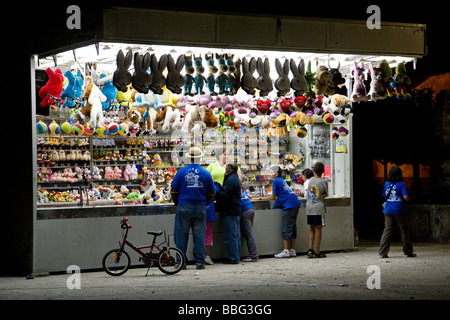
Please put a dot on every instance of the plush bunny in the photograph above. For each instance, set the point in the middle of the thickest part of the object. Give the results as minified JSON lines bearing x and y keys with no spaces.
{"x":189,"y":79}
{"x":158,"y":79}
{"x":359,"y":89}
{"x":264,"y":83}
{"x":322,"y":82}
{"x":282,"y":83}
{"x":221,"y":78}
{"x":174,"y":79}
{"x":122,"y":77}
{"x":141,"y":78}
{"x":73,"y":90}
{"x":248,"y":81}
{"x":53,"y":88}
{"x":298,"y":82}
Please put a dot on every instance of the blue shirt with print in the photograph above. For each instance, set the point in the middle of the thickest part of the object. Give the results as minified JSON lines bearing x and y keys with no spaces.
{"x":395,"y":202}
{"x":287,"y":198}
{"x":192,"y":183}
{"x":245,"y":201}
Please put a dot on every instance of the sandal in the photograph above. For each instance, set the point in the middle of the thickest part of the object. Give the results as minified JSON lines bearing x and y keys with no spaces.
{"x":320,"y":255}
{"x":310,"y":253}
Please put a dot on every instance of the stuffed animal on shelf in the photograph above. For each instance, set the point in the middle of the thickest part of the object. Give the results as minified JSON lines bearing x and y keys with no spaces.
{"x":53,"y":88}
{"x":93,"y":108}
{"x":282,"y":83}
{"x":122,"y":77}
{"x":127,"y":173}
{"x":109,"y":173}
{"x":117,"y":173}
{"x":134,"y":172}
{"x":211,"y":79}
{"x":401,"y":80}
{"x":73,"y":90}
{"x":189,"y":79}
{"x":359,"y":89}
{"x":221,"y":78}
{"x":322,"y":82}
{"x":264,"y":82}
{"x":141,"y":79}
{"x":210,"y":119}
{"x":174,"y":79}
{"x":248,"y":81}
{"x":157,"y":159}
{"x":157,"y":67}
{"x":299,"y":82}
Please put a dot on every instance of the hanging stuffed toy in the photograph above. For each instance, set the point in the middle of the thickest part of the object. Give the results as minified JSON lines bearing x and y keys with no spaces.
{"x":221,"y":78}
{"x":73,"y":90}
{"x":401,"y":80}
{"x":231,"y":78}
{"x":110,"y":92}
{"x":122,"y":77}
{"x":282,"y":83}
{"x":377,"y":90}
{"x":386,"y":78}
{"x":264,"y":83}
{"x":322,"y":82}
{"x":52,"y":89}
{"x":248,"y":81}
{"x":93,"y":108}
{"x":211,"y":79}
{"x":338,"y":80}
{"x":299,"y":82}
{"x":174,"y":79}
{"x":359,"y":89}
{"x":157,"y":67}
{"x":141,"y":78}
{"x":189,"y":79}
{"x":199,"y":79}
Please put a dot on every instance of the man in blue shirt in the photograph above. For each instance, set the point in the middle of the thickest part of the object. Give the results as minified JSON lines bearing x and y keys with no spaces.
{"x":192,"y":190}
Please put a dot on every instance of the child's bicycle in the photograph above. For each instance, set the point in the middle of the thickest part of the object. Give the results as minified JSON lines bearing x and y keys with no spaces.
{"x":168,"y":259}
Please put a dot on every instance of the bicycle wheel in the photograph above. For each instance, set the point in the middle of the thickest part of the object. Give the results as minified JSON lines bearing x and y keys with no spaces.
{"x":171,"y":260}
{"x":116,"y":262}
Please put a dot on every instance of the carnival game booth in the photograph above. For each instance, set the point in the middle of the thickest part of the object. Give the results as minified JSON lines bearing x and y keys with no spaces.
{"x":115,"y":117}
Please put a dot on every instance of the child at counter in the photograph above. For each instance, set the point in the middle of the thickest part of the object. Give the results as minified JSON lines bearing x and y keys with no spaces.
{"x":317,"y":190}
{"x":290,"y":204}
{"x":306,"y":175}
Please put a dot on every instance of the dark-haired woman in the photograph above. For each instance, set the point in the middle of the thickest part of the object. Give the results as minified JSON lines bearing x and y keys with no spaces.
{"x":396,"y":194}
{"x":291,"y":205}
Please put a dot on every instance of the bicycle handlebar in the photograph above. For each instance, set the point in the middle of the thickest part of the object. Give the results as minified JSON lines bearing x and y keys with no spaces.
{"x":124,"y":224}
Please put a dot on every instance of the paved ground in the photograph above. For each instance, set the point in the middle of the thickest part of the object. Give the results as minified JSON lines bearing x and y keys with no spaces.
{"x":342,"y":275}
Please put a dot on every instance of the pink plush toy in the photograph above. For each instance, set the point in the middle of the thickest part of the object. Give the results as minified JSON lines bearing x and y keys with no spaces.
{"x":109,"y":173}
{"x":53,"y":87}
{"x":117,"y":173}
{"x":127,"y":173}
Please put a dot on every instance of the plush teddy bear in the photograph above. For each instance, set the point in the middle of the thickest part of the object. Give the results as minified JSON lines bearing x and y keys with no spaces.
{"x":117,"y":173}
{"x":74,"y":88}
{"x":53,"y":88}
{"x":109,"y":173}
{"x":127,"y":173}
{"x":322,"y":82}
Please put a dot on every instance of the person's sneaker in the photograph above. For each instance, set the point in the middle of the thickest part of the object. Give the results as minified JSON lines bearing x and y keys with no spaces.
{"x":292,"y":253}
{"x":250,"y":259}
{"x":200,"y":266}
{"x":283,"y":254}
{"x":208,"y":261}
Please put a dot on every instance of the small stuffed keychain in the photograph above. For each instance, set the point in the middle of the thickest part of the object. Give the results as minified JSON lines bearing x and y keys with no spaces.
{"x":53,"y":88}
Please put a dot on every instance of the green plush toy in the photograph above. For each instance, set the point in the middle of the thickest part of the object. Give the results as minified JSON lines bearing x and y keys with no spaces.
{"x":401,"y":80}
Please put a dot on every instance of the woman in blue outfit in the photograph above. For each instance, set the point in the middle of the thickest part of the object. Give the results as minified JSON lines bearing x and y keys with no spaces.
{"x":228,"y":203}
{"x":288,"y":200}
{"x":395,"y":194}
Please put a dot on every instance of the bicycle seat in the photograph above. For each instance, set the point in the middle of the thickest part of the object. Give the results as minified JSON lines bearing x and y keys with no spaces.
{"x":155,"y":233}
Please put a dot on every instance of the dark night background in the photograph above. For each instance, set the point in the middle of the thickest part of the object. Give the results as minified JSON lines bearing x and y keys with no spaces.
{"x":400,"y":132}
